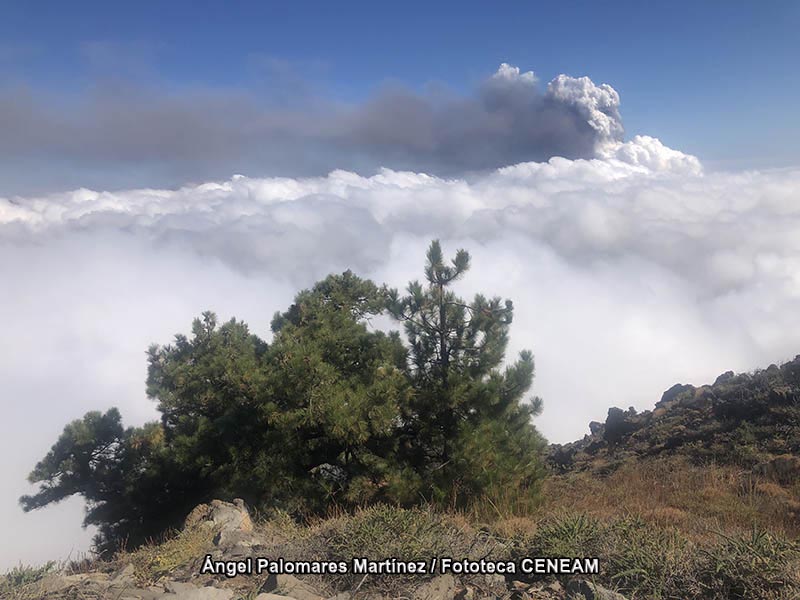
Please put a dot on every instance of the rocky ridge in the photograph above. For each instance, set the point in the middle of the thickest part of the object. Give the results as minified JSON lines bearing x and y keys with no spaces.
{"x":749,"y":419}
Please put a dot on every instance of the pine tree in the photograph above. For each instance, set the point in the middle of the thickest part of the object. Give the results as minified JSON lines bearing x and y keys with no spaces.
{"x":467,"y":430}
{"x":337,"y":389}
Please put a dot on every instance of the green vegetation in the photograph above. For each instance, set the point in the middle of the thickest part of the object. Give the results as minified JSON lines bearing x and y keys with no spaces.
{"x":23,"y":575}
{"x":644,"y":560}
{"x":23,"y":581}
{"x":639,"y":557}
{"x":330,"y":414}
{"x":178,"y":549}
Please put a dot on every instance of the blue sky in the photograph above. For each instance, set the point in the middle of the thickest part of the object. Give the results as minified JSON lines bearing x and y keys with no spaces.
{"x":717,"y":79}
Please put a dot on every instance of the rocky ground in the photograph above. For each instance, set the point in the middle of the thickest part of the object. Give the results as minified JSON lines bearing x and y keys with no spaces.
{"x":232,"y":535}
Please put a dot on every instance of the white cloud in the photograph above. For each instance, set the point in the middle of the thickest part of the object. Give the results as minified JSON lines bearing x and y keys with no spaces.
{"x":598,"y":104}
{"x":629,"y":273}
{"x":650,"y":154}
{"x":509,"y":73}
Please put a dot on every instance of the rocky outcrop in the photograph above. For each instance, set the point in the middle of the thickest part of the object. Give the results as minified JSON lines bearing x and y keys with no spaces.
{"x":221,"y":515}
{"x":749,"y":419}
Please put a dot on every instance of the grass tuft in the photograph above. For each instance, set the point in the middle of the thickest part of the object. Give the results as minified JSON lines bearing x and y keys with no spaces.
{"x":178,"y":551}
{"x":20,"y":582}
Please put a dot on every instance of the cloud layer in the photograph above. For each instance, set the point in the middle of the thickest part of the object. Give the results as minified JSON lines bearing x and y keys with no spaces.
{"x":659,"y":261}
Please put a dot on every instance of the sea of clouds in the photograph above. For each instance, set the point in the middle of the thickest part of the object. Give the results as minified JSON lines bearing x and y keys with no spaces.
{"x":630,"y":270}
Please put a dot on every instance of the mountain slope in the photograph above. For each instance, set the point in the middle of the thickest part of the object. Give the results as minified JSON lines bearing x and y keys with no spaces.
{"x":751,"y":420}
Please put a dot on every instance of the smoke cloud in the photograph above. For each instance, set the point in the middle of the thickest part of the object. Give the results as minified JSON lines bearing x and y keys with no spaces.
{"x":126,"y":134}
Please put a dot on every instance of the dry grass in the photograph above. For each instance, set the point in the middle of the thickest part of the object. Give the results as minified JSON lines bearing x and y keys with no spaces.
{"x":644,"y":560}
{"x":24,"y":581}
{"x":663,"y":528}
{"x":375,"y":532}
{"x":177,"y":551}
{"x":700,"y":501}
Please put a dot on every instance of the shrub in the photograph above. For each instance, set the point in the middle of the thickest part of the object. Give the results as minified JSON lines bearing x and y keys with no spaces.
{"x":758,"y":565}
{"x":382,"y":531}
{"x":645,"y":560}
{"x":568,"y":535}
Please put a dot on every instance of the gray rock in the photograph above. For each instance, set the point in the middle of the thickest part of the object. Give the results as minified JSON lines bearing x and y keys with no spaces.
{"x":289,"y":585}
{"x":53,"y":584}
{"x":442,"y":587}
{"x":124,"y":578}
{"x":224,"y":516}
{"x":186,"y":591}
{"x":232,"y":522}
{"x":237,"y":544}
{"x":586,"y":590}
{"x":596,"y":428}
{"x":495,"y":581}
{"x":546,"y":591}
{"x":620,"y":424}
{"x":140,"y":594}
{"x":464,"y":593}
{"x":56,"y":583}
{"x":273,"y":597}
{"x":673,"y":393}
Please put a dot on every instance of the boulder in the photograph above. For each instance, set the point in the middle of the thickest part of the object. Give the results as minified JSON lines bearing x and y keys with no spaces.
{"x":225,"y":516}
{"x":675,"y":392}
{"x":442,"y":587}
{"x":561,"y":457}
{"x":235,"y":534}
{"x":124,"y":577}
{"x":620,"y":424}
{"x":289,"y":585}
